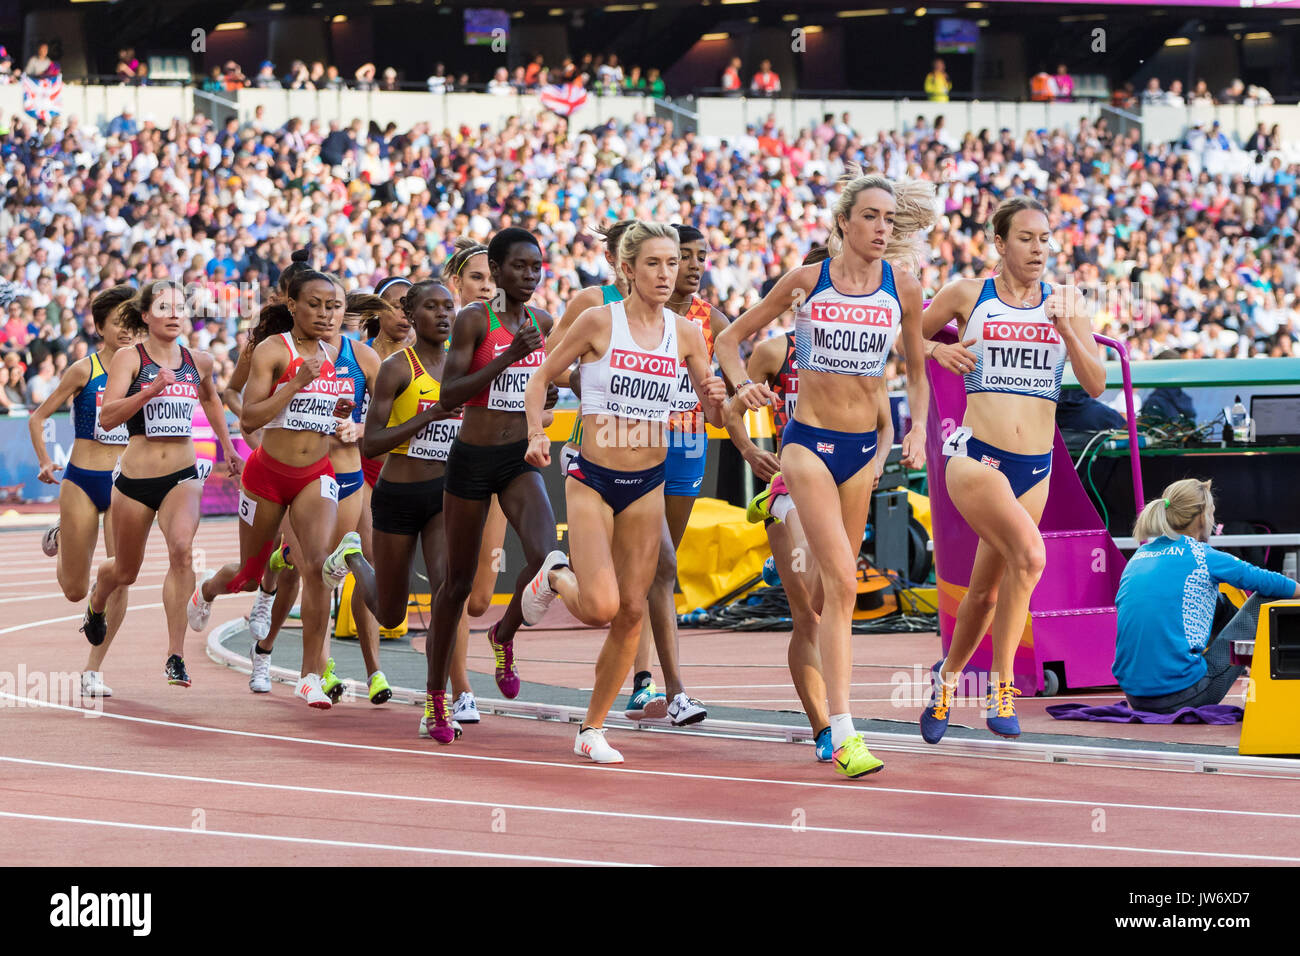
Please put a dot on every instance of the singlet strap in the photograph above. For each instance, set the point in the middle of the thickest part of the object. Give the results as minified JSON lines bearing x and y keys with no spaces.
{"x":823,"y":278}
{"x":413,"y":360}
{"x":96,"y":366}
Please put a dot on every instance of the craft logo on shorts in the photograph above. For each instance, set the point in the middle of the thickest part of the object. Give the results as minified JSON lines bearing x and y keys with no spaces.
{"x":1021,"y":332}
{"x":826,"y":448}
{"x":75,"y":909}
{"x":990,"y":461}
{"x":852,"y":314}
{"x":661,"y":365}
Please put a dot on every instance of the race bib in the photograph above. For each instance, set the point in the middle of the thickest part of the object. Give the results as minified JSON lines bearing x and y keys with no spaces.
{"x":204,"y":467}
{"x":170,"y":414}
{"x":247,"y":508}
{"x":507,"y":391}
{"x":115,"y":436}
{"x":433,"y":441}
{"x":567,"y":454}
{"x":329,"y":488}
{"x":954,"y":445}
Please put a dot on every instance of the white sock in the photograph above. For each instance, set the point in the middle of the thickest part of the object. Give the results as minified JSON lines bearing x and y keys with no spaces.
{"x":841,"y":729}
{"x":372,"y":676}
{"x":780,"y":506}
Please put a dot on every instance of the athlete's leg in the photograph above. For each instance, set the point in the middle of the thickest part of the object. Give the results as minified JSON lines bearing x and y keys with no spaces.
{"x":312,"y":517}
{"x":393,"y":554}
{"x":116,"y":609}
{"x":634,"y":548}
{"x":78,"y":535}
{"x":662,"y":617}
{"x":589,"y":585}
{"x":490,"y":560}
{"x":288,"y":585}
{"x":256,"y":541}
{"x":367,"y":627}
{"x":132,"y":521}
{"x":804,"y":657}
{"x":463,"y":520}
{"x":528,"y":510}
{"x":178,"y":520}
{"x":433,"y":544}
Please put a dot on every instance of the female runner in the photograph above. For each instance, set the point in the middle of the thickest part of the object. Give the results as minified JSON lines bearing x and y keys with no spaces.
{"x":294,"y":393}
{"x":492,"y":354}
{"x":848,"y":312}
{"x":407,"y":423}
{"x":631,"y":352}
{"x":1021,"y":331}
{"x":153,"y":389}
{"x":87,"y":488}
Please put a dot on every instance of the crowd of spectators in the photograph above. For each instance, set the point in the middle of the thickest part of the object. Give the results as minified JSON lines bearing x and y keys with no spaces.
{"x":1181,"y":259}
{"x":1236,"y":93}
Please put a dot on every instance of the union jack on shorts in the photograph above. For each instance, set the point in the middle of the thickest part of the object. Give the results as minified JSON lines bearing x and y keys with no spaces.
{"x":990,"y":461}
{"x":826,"y":448}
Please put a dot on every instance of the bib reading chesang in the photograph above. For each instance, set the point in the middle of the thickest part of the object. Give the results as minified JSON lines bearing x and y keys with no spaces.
{"x":507,"y":391}
{"x":433,"y":441}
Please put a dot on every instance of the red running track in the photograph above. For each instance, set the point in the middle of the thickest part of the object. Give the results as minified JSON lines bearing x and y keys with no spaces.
{"x":224,"y":777}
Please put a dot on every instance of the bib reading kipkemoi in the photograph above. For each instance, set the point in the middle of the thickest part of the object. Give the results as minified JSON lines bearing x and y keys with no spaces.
{"x":312,"y":407}
{"x":1019,"y":351}
{"x":629,"y":381}
{"x":506,"y":393}
{"x":847,"y":334}
{"x":169,"y":414}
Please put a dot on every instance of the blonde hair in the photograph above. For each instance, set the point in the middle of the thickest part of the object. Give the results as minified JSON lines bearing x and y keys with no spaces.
{"x":1174,"y":514}
{"x":914,"y":214}
{"x":633,"y":238}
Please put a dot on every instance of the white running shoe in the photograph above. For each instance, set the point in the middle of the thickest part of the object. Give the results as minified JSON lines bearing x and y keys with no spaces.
{"x":309,"y":689}
{"x":538,"y":595}
{"x":259,"y":618}
{"x":424,"y":727}
{"x":591,"y":743}
{"x":335,"y":569}
{"x":50,"y":543}
{"x":260,"y":682}
{"x":466,"y":709}
{"x":92,"y":685}
{"x":686,"y":710}
{"x":199,"y":610}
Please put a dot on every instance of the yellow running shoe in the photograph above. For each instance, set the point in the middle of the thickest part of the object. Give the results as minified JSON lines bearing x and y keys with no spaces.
{"x":854,"y":760}
{"x":757,"y":510}
{"x":280,"y":558}
{"x":380,"y":692}
{"x":331,"y":683}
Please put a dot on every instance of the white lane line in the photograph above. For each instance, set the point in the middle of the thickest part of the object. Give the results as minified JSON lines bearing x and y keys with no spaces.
{"x":313,"y":841}
{"x":592,"y":768}
{"x":72,"y":617}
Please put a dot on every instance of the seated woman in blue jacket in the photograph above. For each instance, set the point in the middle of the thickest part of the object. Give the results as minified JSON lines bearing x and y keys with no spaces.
{"x":1166,"y":653}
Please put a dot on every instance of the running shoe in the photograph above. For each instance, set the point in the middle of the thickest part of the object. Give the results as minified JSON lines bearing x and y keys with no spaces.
{"x":177,"y":676}
{"x":1000,"y":709}
{"x":309,"y":689}
{"x":380,"y":692}
{"x":437,"y":723}
{"x":259,"y":618}
{"x":280,"y":558}
{"x":260,"y":681}
{"x":330,"y":683}
{"x":50,"y":543}
{"x":771,"y":576}
{"x":457,"y":729}
{"x":506,"y":674}
{"x":94,"y":625}
{"x":199,"y":610}
{"x":466,"y":709}
{"x":854,"y":760}
{"x":758,"y":508}
{"x":591,"y":743}
{"x":825,"y":752}
{"x":686,"y":710}
{"x":646,"y":701}
{"x":934,"y":719}
{"x":92,"y":685}
{"x":336,"y":565}
{"x":539,"y":594}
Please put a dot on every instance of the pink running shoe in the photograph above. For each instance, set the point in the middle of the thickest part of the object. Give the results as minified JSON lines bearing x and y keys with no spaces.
{"x":436,"y":722}
{"x":506,"y":675}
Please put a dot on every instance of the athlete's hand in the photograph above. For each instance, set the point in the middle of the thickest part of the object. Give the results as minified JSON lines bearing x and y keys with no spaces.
{"x":308,"y":371}
{"x":343,"y":407}
{"x":875,"y":480}
{"x":165,"y":378}
{"x":914,"y":447}
{"x":539,"y":451}
{"x":713,"y":390}
{"x":347,"y":431}
{"x":47,"y":473}
{"x":234,"y":466}
{"x":956,"y":357}
{"x":526,"y":341}
{"x":754,"y":395}
{"x":438,"y":413}
{"x":764,"y":463}
{"x":1065,"y":302}
{"x":552,"y":396}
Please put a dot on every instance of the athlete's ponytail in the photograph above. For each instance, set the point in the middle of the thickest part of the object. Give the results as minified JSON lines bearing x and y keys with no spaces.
{"x":914,"y":215}
{"x":1176,"y":513}
{"x":465,"y":250}
{"x":370,"y":306}
{"x":296,"y":266}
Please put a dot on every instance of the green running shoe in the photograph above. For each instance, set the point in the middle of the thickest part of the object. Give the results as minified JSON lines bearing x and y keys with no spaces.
{"x":331,"y":683}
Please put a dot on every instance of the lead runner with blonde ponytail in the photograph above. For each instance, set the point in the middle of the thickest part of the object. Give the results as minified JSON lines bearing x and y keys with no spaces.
{"x":848,"y":311}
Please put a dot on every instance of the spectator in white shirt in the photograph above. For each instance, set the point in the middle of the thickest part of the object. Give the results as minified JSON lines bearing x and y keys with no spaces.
{"x":500,"y":83}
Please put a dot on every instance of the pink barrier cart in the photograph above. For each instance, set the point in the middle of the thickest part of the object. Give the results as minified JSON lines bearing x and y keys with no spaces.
{"x":1069,"y":636}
